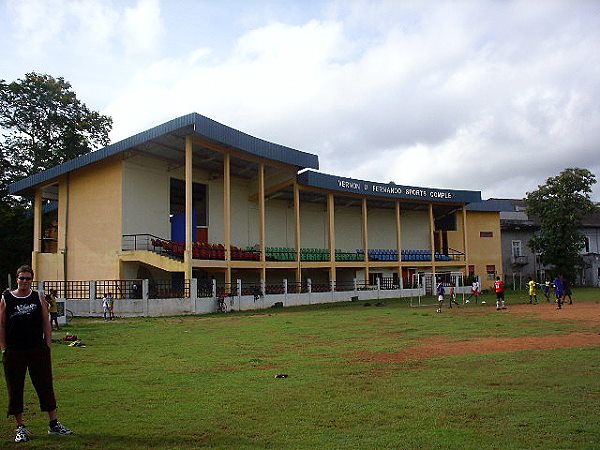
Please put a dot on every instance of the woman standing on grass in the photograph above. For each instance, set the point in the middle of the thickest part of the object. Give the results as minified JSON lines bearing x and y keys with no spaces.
{"x":25,"y":339}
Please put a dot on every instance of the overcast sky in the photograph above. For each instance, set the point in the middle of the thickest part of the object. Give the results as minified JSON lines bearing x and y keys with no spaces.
{"x":494,"y":96}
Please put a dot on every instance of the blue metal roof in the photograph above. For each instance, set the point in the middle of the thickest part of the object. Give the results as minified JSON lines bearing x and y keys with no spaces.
{"x":371,"y":188}
{"x":149,"y":141}
{"x":493,"y":205}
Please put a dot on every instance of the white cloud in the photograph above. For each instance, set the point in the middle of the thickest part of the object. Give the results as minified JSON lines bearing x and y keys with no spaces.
{"x":491,"y":96}
{"x":142,"y":26}
{"x":37,"y":22}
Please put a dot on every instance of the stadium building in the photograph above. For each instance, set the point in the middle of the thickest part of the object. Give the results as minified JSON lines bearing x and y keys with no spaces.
{"x":195,"y":199}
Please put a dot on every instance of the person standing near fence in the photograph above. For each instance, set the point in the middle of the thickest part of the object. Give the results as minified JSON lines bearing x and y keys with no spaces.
{"x":111,"y":306}
{"x":106,"y":306}
{"x":25,"y":340}
{"x":53,"y":307}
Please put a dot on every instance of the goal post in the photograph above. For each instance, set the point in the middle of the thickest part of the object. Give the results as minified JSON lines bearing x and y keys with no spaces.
{"x":426,"y":283}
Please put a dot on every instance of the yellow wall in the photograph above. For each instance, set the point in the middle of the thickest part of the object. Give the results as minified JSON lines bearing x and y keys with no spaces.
{"x":94,"y":221}
{"x":484,"y":250}
{"x":48,"y":266}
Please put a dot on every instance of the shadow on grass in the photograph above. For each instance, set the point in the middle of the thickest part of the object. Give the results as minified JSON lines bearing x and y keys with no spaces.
{"x":109,"y":440}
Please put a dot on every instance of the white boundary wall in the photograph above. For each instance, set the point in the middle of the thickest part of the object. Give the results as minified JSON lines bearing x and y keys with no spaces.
{"x":147,"y":307}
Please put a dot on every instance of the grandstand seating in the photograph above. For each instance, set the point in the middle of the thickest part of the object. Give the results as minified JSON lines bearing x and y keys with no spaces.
{"x":217,"y":251}
{"x":343,"y":256}
{"x":280,"y":254}
{"x":416,"y":255}
{"x":203,"y":250}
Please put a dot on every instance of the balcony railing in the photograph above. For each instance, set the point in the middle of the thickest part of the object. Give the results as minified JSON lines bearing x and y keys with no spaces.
{"x":520,"y":260}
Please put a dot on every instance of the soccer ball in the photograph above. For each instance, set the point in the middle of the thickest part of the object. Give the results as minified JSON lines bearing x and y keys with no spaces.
{"x":467,"y":301}
{"x":483,"y":302}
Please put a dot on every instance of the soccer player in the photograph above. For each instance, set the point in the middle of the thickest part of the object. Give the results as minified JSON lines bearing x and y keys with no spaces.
{"x":546,"y":290}
{"x":440,"y":291}
{"x":499,"y":287}
{"x":532,"y":291}
{"x":559,"y":290}
{"x":475,"y":291}
{"x":452,"y":296}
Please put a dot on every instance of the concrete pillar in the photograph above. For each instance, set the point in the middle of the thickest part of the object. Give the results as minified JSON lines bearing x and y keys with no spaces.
{"x":189,"y":232}
{"x":145,"y":296}
{"x":93,"y":292}
{"x":239,"y":292}
{"x":193,"y":293}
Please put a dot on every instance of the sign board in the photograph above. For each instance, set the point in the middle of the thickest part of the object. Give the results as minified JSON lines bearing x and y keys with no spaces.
{"x":391,"y":190}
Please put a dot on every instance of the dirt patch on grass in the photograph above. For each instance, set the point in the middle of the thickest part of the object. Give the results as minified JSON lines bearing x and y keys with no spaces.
{"x":580,"y":312}
{"x":438,"y":347}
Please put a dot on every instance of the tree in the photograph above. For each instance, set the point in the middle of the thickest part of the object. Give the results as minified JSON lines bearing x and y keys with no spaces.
{"x":560,"y":205}
{"x":16,"y":239}
{"x":42,"y":124}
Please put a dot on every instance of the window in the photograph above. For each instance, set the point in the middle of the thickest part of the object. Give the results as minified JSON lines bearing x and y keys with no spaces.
{"x":471,"y":270}
{"x":517,"y":249}
{"x":486,"y":234}
{"x":587,"y":244}
{"x":491,"y":271}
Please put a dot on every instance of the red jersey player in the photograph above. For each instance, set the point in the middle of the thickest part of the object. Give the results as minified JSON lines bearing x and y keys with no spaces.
{"x":499,"y":287}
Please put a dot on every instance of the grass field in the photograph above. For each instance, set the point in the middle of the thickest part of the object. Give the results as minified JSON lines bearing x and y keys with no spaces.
{"x":359,"y":377}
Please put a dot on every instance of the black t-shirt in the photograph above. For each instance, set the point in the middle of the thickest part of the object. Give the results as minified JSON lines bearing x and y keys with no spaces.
{"x":24,"y":324}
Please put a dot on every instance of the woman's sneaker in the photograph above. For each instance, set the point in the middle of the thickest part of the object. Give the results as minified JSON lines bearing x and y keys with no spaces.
{"x":59,"y":429}
{"x":22,"y":434}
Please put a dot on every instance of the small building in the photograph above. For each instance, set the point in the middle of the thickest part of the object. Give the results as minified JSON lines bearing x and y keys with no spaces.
{"x":519,"y":262}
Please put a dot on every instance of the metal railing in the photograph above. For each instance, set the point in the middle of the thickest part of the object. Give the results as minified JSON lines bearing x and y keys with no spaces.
{"x":456,"y":255}
{"x":169,"y":289}
{"x":180,"y":288}
{"x":275,"y":288}
{"x":119,"y":289}
{"x":226,"y":289}
{"x":204,"y":289}
{"x":344,"y":286}
{"x":76,"y":290}
{"x":296,"y":287}
{"x":519,"y":260}
{"x":139,"y":242}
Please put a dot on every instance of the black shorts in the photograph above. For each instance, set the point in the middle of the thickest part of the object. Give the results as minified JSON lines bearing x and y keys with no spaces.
{"x":16,"y":363}
{"x":500,"y":295}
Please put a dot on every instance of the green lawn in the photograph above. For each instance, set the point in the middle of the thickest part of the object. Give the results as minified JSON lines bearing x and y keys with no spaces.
{"x":209,"y":382}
